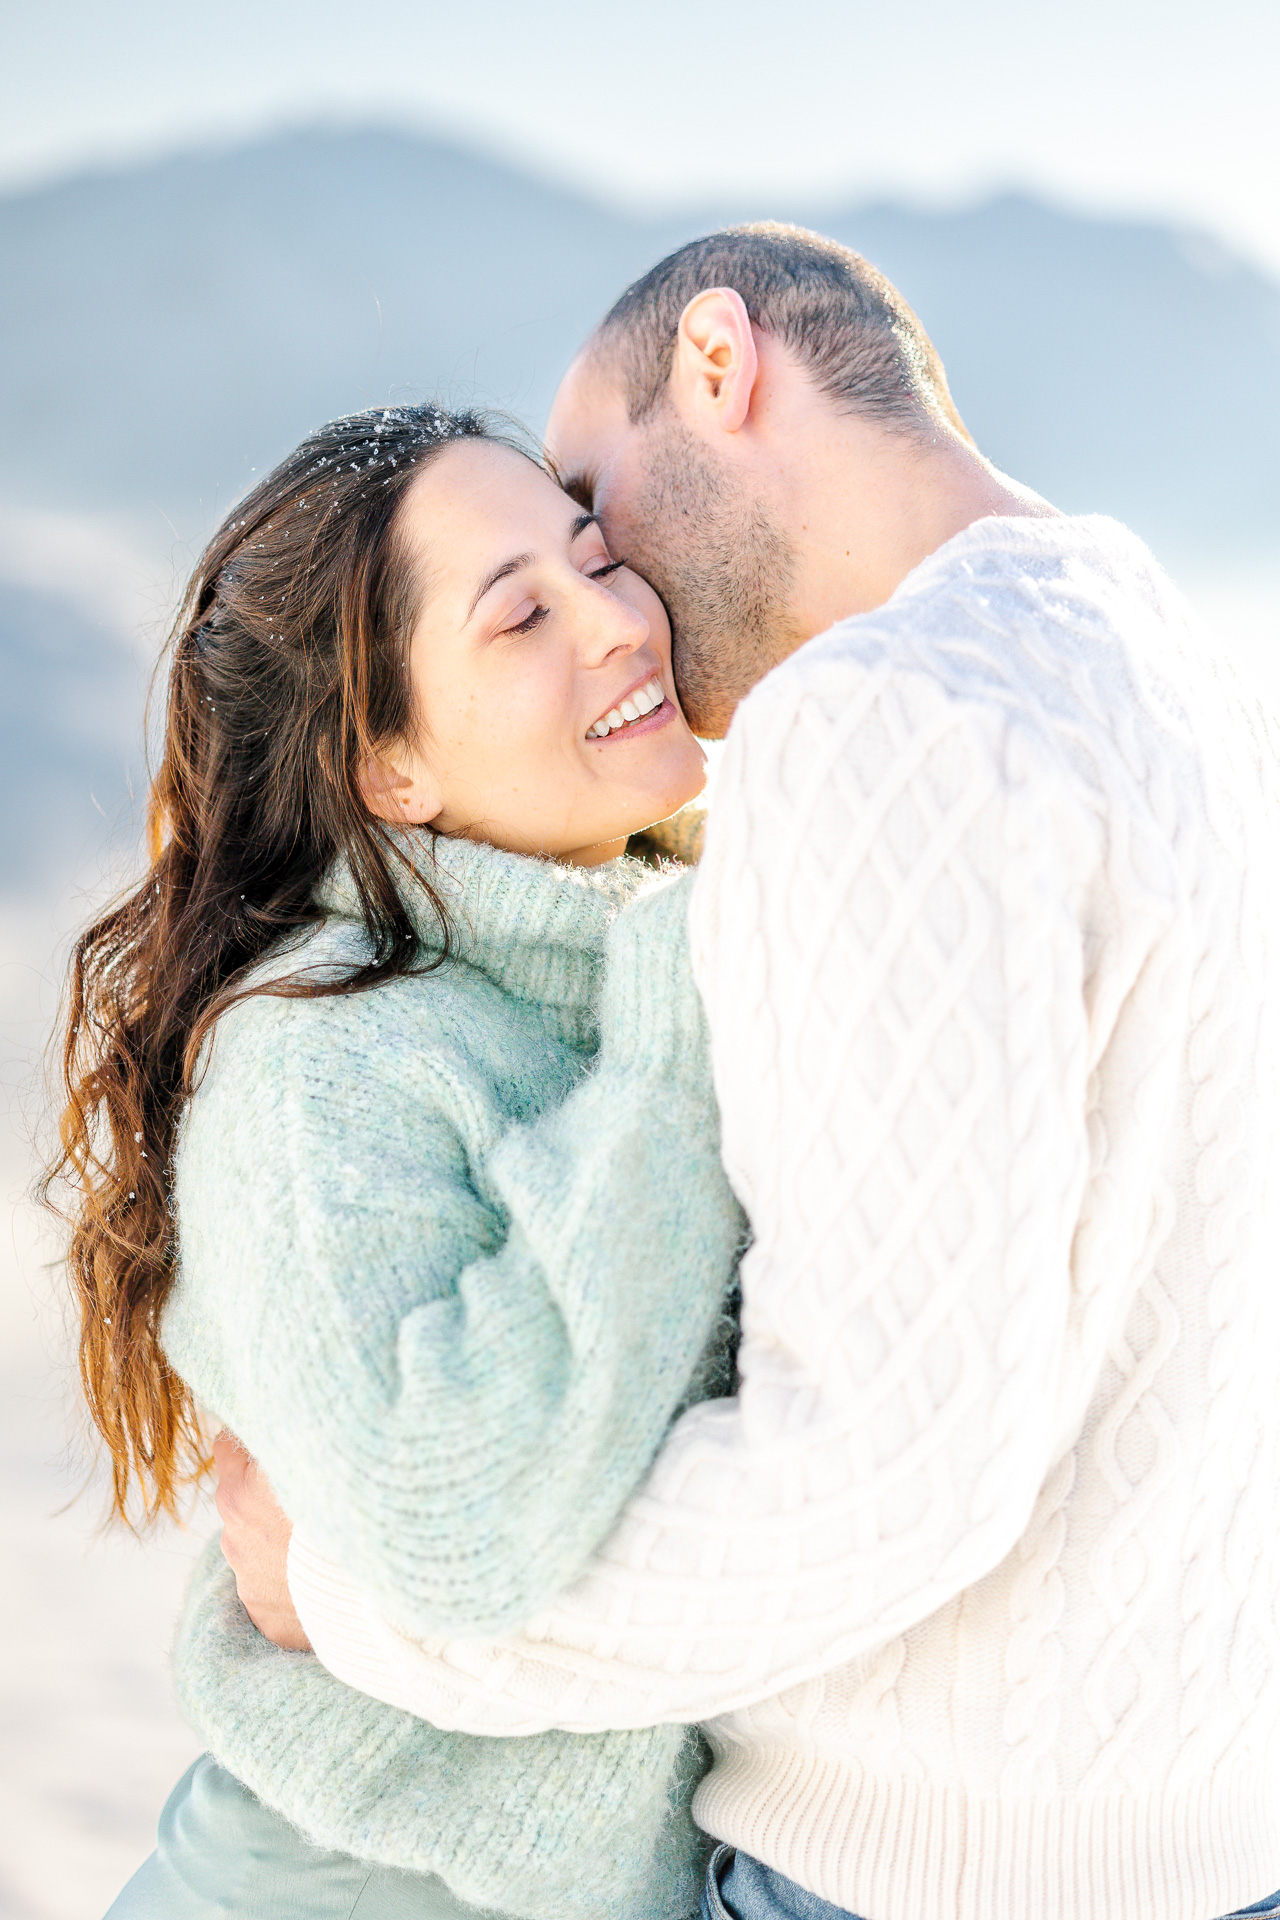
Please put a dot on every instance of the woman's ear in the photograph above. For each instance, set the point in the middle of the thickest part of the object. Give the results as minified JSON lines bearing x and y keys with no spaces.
{"x":402,"y":796}
{"x":716,"y":364}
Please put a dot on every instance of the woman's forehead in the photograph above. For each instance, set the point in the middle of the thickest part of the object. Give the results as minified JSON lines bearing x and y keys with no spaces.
{"x":479,"y":512}
{"x":476,"y":496}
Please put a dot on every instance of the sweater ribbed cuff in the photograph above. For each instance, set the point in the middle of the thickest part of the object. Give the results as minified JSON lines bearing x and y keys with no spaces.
{"x":651,"y":1013}
{"x":346,"y":1634}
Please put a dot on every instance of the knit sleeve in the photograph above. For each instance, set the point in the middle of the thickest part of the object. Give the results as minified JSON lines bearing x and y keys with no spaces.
{"x":454,"y":1363}
{"x":889,"y":938}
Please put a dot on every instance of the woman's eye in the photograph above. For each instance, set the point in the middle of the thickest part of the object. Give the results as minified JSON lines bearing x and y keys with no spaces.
{"x":539,"y":613}
{"x":530,"y":621}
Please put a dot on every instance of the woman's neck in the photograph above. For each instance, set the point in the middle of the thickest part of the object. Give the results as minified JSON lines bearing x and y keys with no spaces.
{"x":595,"y":856}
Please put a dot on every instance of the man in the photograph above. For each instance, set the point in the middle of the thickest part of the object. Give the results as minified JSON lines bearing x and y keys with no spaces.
{"x":972,"y":1582}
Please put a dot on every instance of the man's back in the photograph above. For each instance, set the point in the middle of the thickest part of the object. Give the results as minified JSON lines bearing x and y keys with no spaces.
{"x":986,"y":934}
{"x":973,"y":1579}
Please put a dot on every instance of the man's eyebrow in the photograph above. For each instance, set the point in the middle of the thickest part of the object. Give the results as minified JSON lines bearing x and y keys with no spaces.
{"x":512,"y":565}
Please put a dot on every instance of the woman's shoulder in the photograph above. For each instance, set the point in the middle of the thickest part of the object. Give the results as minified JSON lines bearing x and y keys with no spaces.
{"x":442,"y":1038}
{"x":284,"y":1046}
{"x":306,"y":1112}
{"x":286,"y":1003}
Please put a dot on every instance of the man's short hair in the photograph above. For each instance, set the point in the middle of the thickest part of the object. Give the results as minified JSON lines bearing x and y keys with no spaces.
{"x":839,"y":316}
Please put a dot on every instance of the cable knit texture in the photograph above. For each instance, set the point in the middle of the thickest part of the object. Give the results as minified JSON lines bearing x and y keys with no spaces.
{"x":975,"y":1580}
{"x":450,"y":1289}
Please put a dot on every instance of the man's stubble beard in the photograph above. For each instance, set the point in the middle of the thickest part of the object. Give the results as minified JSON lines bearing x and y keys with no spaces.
{"x":723,"y":568}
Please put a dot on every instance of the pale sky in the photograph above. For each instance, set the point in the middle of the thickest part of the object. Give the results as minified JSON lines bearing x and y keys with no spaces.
{"x":1150,"y":107}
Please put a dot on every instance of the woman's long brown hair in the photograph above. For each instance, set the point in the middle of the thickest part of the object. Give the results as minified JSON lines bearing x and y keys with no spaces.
{"x":287,"y":666}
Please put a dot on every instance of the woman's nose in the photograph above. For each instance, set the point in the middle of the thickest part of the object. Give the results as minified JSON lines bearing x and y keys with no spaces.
{"x":609,"y":624}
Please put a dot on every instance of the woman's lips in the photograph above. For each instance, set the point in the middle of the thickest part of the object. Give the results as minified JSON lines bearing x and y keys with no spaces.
{"x":660,"y":717}
{"x":643,"y":697}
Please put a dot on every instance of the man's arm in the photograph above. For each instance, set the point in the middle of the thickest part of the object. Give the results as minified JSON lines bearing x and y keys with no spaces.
{"x":887,"y":933}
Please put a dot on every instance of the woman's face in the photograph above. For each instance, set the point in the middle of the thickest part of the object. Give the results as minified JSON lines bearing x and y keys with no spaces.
{"x":541,"y":671}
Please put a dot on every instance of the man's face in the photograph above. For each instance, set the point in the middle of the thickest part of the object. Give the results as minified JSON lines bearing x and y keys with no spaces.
{"x":688,"y":522}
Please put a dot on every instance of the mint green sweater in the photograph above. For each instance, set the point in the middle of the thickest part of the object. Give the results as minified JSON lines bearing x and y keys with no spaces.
{"x":450,"y":1287}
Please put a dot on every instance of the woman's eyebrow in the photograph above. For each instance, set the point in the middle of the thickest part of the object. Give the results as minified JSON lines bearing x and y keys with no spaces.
{"x":513,"y":565}
{"x":518,"y":560}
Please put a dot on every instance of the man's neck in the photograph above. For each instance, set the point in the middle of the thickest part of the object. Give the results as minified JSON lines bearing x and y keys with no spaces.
{"x":877,"y":505}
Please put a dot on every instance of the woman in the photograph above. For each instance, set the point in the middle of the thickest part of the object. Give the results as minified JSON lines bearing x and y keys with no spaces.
{"x":345,"y":1185}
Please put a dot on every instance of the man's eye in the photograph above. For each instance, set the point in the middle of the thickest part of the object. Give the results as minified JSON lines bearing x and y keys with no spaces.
{"x":605,"y":572}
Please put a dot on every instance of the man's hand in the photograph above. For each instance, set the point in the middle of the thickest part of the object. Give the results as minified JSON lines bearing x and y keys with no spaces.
{"x":255,"y":1543}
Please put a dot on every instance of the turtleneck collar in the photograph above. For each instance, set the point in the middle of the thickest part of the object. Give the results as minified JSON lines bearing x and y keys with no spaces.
{"x":535,"y":927}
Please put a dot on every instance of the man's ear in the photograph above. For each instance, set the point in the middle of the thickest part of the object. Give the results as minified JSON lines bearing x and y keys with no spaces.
{"x":716,"y":366}
{"x":404,"y":797}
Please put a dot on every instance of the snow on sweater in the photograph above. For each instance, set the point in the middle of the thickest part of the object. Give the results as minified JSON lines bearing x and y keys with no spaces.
{"x":974,"y":1582}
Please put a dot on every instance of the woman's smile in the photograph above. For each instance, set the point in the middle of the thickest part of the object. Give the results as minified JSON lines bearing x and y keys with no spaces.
{"x":642,"y":709}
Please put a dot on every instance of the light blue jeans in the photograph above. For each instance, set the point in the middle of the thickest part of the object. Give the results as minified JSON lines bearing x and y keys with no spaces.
{"x":222,"y":1855}
{"x":740,"y":1888}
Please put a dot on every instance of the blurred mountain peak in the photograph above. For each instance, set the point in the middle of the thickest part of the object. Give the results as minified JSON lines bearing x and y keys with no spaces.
{"x":171,"y":328}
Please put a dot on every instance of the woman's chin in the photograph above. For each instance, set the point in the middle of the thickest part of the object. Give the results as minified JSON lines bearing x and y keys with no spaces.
{"x":678,"y":782}
{"x":668,"y":800}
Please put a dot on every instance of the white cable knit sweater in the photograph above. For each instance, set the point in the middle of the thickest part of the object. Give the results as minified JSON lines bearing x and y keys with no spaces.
{"x":975,"y":1581}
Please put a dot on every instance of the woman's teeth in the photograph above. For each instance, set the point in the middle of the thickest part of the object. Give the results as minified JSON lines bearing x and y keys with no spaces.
{"x":634,"y":707}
